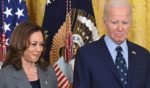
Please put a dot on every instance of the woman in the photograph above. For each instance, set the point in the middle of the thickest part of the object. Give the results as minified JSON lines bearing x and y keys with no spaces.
{"x":24,"y":66}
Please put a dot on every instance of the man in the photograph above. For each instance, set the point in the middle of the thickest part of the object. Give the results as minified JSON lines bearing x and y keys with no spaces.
{"x":101,"y":65}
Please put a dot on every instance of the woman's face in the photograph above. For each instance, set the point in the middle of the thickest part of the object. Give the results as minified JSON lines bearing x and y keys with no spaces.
{"x":35,"y":48}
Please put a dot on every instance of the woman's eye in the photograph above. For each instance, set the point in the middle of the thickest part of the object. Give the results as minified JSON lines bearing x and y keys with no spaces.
{"x":42,"y":44}
{"x":34,"y":44}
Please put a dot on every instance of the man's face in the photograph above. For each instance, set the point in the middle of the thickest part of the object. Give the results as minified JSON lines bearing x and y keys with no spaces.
{"x":118,"y":23}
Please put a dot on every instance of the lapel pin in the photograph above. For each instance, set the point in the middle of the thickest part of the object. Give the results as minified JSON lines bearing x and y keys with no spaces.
{"x":45,"y":82}
{"x":133,"y":52}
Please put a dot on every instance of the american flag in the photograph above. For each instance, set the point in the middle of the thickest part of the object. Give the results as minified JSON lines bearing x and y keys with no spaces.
{"x":55,"y":16}
{"x":12,"y":13}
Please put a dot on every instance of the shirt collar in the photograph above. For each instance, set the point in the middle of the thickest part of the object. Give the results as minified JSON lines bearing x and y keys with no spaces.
{"x":113,"y":45}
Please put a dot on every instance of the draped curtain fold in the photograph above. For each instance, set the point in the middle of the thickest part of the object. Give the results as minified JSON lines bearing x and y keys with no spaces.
{"x":36,"y":9}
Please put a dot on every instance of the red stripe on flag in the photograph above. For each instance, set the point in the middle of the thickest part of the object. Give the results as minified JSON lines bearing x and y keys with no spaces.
{"x":62,"y":84}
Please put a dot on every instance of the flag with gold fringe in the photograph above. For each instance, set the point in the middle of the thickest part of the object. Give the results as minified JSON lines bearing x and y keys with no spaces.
{"x":12,"y":13}
{"x":69,"y":24}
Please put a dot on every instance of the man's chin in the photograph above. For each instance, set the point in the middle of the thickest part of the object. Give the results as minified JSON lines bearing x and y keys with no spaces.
{"x":119,"y":41}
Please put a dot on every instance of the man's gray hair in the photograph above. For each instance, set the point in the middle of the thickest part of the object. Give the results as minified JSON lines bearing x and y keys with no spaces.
{"x":116,"y":3}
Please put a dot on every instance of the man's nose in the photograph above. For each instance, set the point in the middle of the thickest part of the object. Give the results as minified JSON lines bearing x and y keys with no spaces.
{"x":120,"y":26}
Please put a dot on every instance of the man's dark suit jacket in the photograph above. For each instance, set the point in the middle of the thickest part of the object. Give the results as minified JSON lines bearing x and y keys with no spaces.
{"x":94,"y":67}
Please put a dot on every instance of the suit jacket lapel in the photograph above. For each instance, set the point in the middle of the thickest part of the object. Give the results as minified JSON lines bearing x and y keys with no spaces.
{"x":43,"y":78}
{"x":20,"y":79}
{"x":131,"y":61}
{"x":108,"y":59}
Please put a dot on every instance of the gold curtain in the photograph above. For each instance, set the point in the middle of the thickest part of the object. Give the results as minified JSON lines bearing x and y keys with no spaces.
{"x":36,"y":9}
{"x":148,"y":24}
{"x":98,"y":6}
{"x":140,"y":31}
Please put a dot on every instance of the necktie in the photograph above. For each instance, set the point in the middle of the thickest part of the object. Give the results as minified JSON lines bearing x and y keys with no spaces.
{"x":121,"y":66}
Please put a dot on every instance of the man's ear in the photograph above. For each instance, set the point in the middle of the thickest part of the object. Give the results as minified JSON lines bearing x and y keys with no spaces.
{"x":104,"y":21}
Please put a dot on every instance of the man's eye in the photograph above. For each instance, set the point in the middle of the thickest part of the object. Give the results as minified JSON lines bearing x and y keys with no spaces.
{"x":125,"y":22}
{"x":114,"y":22}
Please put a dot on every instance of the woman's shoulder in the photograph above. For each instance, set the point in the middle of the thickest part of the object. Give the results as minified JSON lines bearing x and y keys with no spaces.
{"x":7,"y":71}
{"x":7,"y":68}
{"x":50,"y":68}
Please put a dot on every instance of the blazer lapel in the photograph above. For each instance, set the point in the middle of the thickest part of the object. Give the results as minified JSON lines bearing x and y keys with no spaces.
{"x":131,"y":61}
{"x":43,"y":78}
{"x":108,"y":59}
{"x":20,"y":79}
